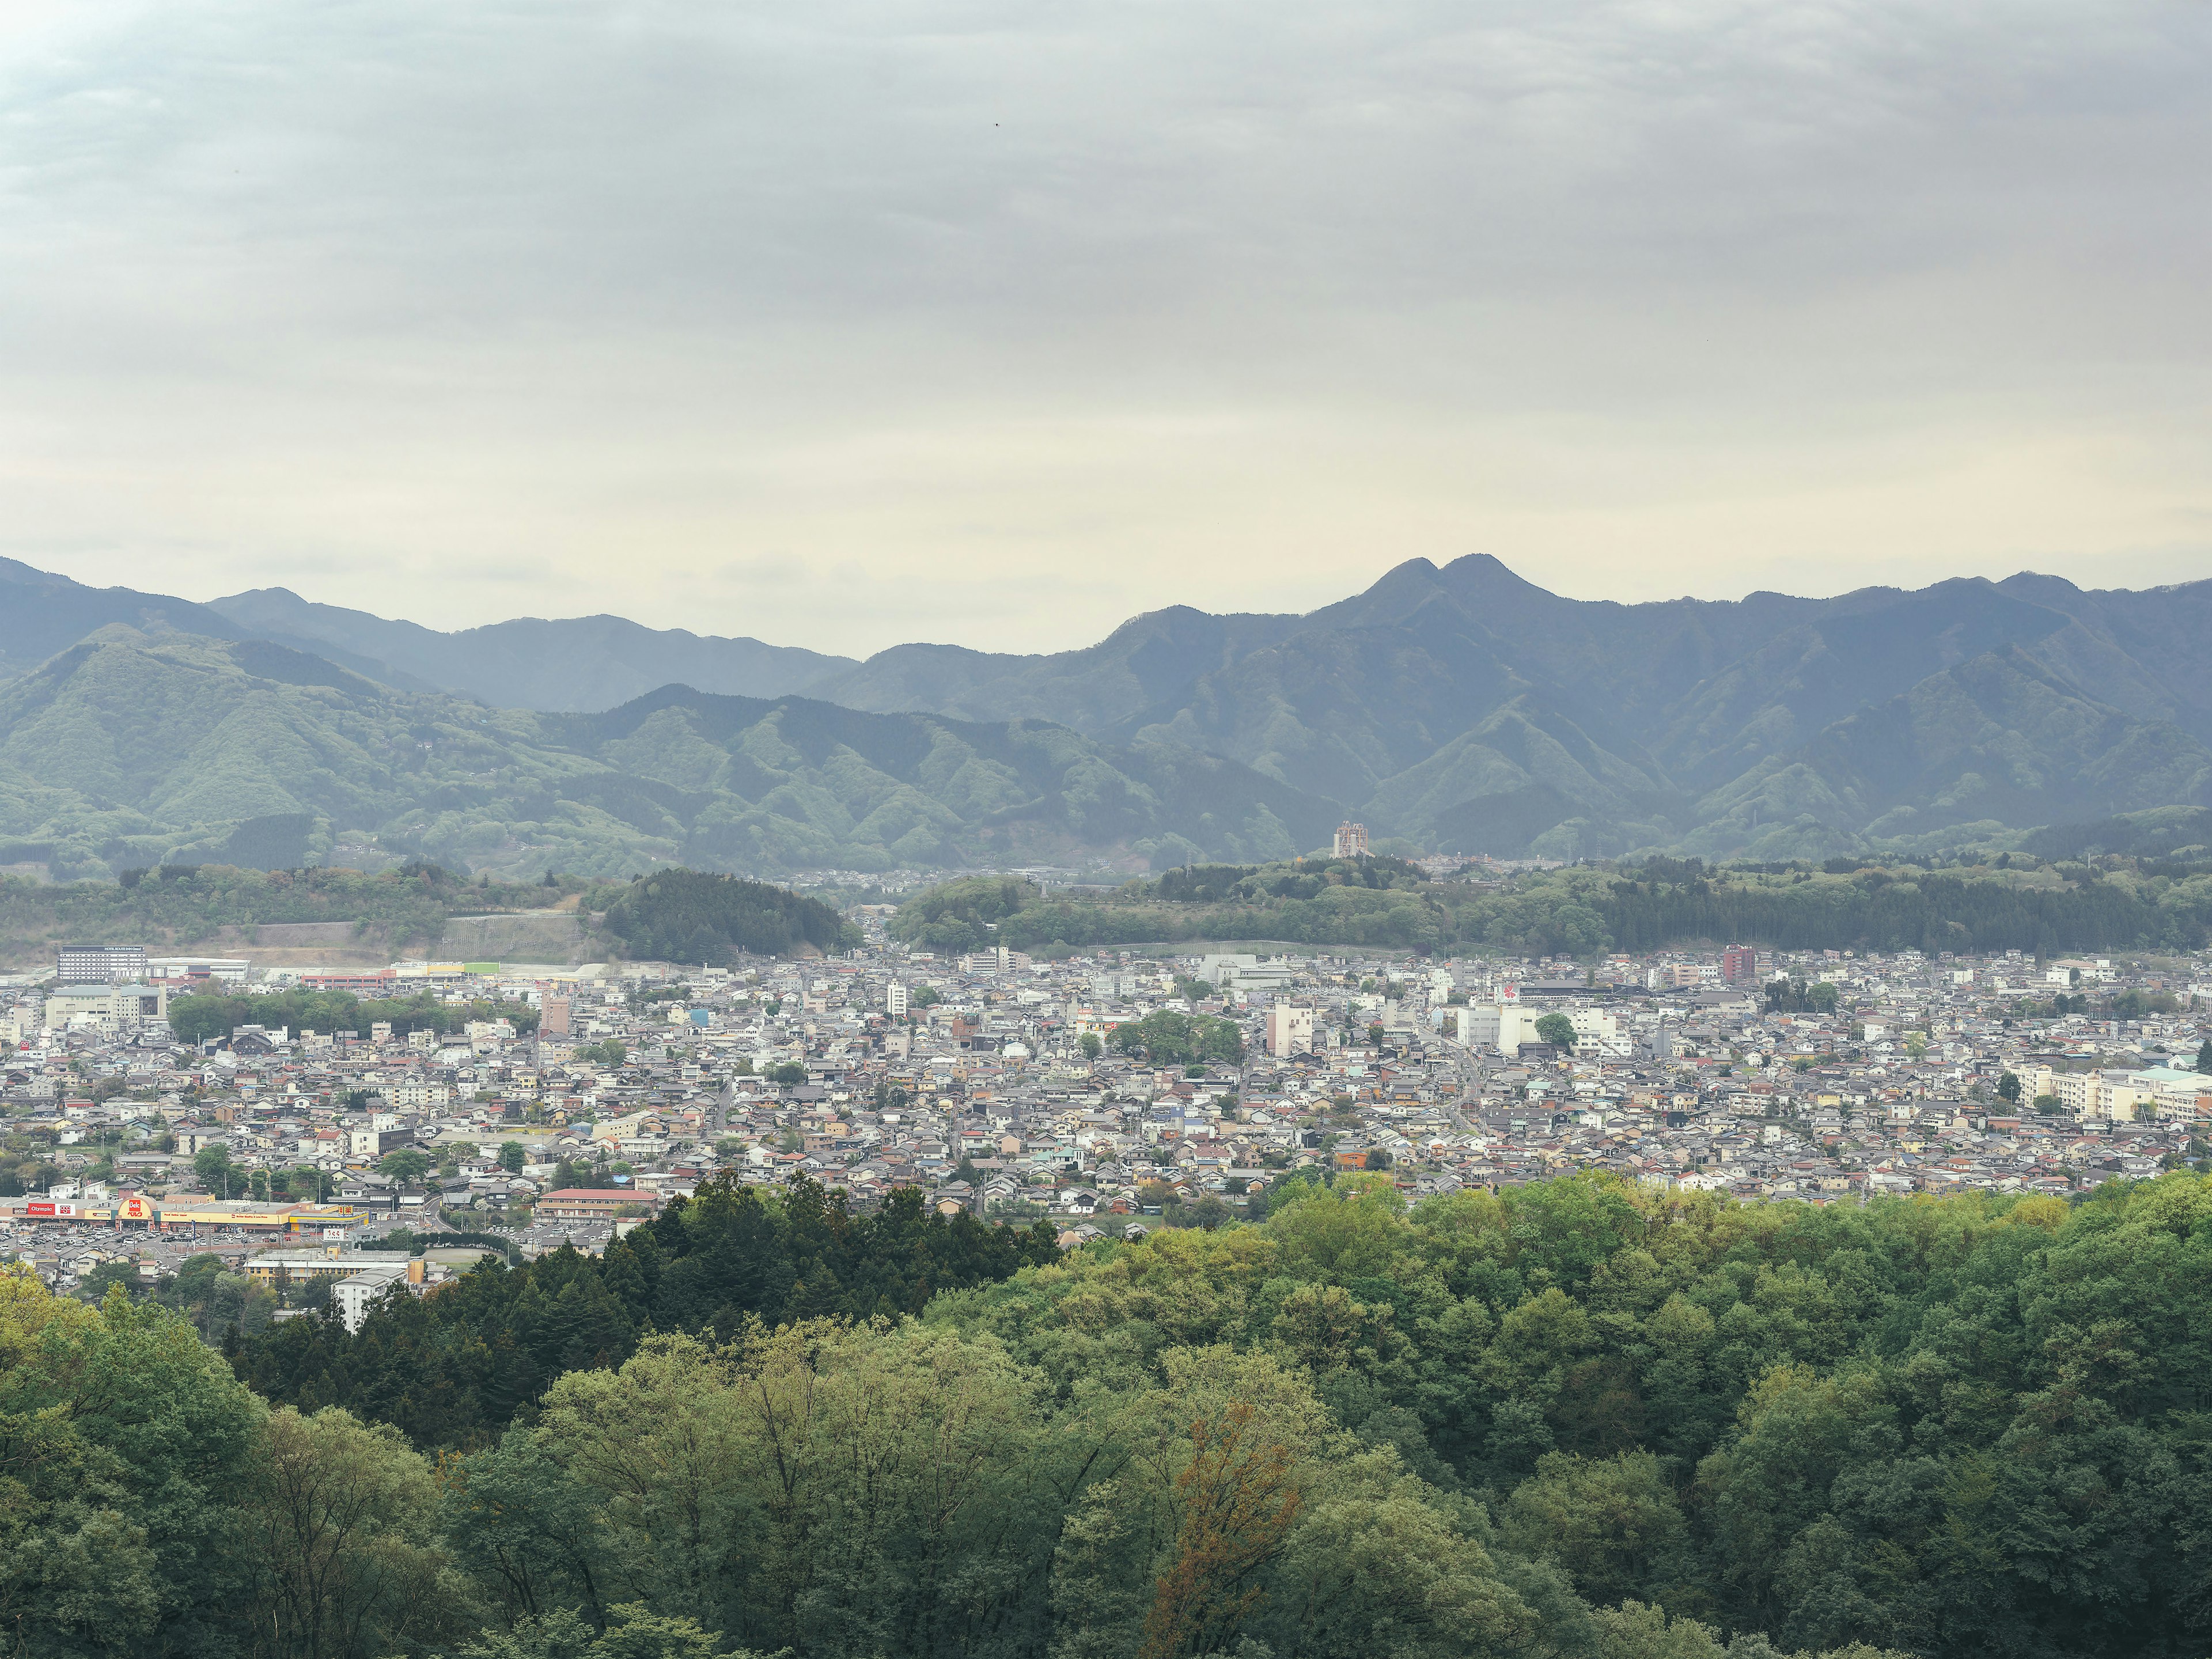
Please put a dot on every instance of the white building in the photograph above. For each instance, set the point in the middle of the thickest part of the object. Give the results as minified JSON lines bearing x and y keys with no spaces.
{"x":1599,"y":1033}
{"x":1500,"y":1026}
{"x":1289,"y":1030}
{"x":353,"y":1296}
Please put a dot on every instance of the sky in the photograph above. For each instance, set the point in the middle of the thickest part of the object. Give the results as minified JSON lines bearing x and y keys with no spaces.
{"x":840,"y":324}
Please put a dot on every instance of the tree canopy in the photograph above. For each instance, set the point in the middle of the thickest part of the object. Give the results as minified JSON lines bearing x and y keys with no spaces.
{"x":1577,"y":1419}
{"x":690,"y":915}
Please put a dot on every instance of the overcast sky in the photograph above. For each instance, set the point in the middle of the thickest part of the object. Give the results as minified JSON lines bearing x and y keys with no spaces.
{"x":843,"y":324}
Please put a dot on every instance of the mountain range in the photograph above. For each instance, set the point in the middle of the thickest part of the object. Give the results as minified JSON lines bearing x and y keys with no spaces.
{"x":1459,"y":708}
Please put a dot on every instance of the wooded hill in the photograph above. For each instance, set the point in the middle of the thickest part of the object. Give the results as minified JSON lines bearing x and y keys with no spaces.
{"x":2019,"y":904}
{"x":675,"y":914}
{"x":1573,"y":1420}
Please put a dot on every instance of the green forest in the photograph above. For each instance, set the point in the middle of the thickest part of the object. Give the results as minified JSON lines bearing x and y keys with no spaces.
{"x":125,"y":752}
{"x":1572,"y":1420}
{"x":687,"y":916}
{"x":211,"y":1014}
{"x":2020,"y":904}
{"x":454,"y":1369}
{"x":680,"y":915}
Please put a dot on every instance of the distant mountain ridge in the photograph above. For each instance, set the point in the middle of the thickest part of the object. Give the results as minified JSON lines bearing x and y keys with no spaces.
{"x":1462,"y":707}
{"x":130,"y":750}
{"x":582,"y":662}
{"x":1467,"y":708}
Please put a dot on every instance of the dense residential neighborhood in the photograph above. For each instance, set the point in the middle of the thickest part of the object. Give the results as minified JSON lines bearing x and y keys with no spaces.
{"x":1076,"y":1091}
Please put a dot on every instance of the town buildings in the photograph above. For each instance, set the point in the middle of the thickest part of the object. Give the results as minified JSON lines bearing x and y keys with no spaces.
{"x":1912,"y":1073}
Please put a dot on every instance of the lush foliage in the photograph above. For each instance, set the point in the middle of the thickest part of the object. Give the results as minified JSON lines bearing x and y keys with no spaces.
{"x":1299,"y":878}
{"x":126,"y":754}
{"x":1964,"y":1427}
{"x":454,"y":1369}
{"x":1168,"y":1038}
{"x":958,"y":916}
{"x":1978,"y":908}
{"x":211,"y":1014}
{"x":1652,"y":904}
{"x":150,"y":1504}
{"x":685,"y":915}
{"x":1574,"y":1421}
{"x":184,"y":905}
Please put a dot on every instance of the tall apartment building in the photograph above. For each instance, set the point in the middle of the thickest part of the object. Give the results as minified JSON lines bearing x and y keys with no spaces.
{"x":553,"y":1016}
{"x":97,"y":964}
{"x":1351,"y":842}
{"x":894,"y":999}
{"x":1289,"y":1030}
{"x":1739,"y":964}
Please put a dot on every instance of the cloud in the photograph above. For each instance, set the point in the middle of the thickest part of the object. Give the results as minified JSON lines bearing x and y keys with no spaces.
{"x":1028,"y":318}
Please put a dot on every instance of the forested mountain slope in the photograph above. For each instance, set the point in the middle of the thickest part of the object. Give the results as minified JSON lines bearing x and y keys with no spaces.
{"x":1461,"y":706}
{"x":578,"y":662}
{"x":129,"y":750}
{"x":1380,"y":903}
{"x":1467,"y":708}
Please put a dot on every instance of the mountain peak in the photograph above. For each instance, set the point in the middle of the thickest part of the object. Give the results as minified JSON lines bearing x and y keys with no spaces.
{"x":1484,"y":576}
{"x":2034,"y":584}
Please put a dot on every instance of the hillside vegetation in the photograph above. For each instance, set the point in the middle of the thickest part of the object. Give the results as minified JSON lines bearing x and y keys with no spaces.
{"x":1459,"y":708}
{"x":1573,"y":1420}
{"x":210,"y":1014}
{"x":2020,"y":905}
{"x":679,"y":914}
{"x":1466,"y":709}
{"x":185,"y":906}
{"x":456,"y":1368}
{"x":130,"y":751}
{"x":682,"y":915}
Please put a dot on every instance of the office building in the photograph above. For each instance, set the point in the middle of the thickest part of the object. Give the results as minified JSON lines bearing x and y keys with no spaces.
{"x":99,"y":964}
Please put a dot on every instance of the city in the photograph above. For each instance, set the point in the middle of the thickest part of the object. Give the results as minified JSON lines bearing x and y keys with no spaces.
{"x":996,"y":1085}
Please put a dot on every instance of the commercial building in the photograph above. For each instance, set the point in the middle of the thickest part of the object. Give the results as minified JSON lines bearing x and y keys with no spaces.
{"x":363,"y":1276}
{"x":89,"y":965}
{"x":188,"y":1215}
{"x":227,"y":970}
{"x":375,"y":987}
{"x":106,"y":1000}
